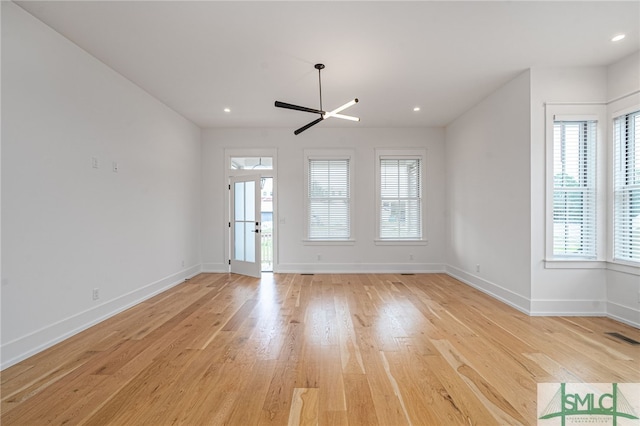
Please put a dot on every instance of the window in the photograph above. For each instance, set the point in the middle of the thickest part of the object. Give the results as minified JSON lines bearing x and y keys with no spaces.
{"x":251,"y":163}
{"x":399,"y":197}
{"x":574,"y":189}
{"x":626,"y":179}
{"x":329,"y":198}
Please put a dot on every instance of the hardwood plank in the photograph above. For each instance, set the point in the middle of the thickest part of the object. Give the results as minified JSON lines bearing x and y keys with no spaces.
{"x":331,"y":386}
{"x":277,"y":403}
{"x":456,"y":392}
{"x":333,"y":418}
{"x":248,"y":405}
{"x":496,"y":402}
{"x":388,"y":401}
{"x":361,"y":409}
{"x":304,"y":407}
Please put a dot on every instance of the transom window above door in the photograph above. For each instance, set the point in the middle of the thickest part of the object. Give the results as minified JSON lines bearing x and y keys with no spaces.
{"x":251,"y":163}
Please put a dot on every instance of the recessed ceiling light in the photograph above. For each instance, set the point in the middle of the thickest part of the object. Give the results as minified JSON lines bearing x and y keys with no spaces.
{"x":618,"y":37}
{"x":416,"y":109}
{"x":227,"y":110}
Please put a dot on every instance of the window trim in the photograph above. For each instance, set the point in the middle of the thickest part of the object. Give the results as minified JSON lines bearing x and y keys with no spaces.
{"x":328,"y":154}
{"x":401,"y":153}
{"x":621,"y":265}
{"x":555,"y":113}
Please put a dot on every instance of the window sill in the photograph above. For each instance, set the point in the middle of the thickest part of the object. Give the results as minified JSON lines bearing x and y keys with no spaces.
{"x":329,"y":242}
{"x":617,"y":265}
{"x":625,"y":267}
{"x":574,"y":264}
{"x":401,"y":242}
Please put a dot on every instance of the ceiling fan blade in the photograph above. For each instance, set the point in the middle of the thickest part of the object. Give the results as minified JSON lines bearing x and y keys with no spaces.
{"x":298,"y":108}
{"x":344,"y":117}
{"x":335,"y":112}
{"x":306,"y":126}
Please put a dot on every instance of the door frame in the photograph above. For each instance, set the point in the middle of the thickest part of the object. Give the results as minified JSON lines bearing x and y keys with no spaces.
{"x":229,"y":173}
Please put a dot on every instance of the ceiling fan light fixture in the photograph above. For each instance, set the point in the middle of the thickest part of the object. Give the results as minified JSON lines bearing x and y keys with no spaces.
{"x":306,"y":126}
{"x":323,"y":114}
{"x":335,"y":112}
{"x":344,"y":117}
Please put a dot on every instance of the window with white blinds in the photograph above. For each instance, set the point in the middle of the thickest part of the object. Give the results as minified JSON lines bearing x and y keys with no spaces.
{"x":400,"y":198}
{"x":626,"y":197}
{"x":329,"y":199}
{"x":574,"y":189}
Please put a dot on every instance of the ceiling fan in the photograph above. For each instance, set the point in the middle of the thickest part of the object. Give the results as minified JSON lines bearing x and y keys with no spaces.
{"x":323,"y":114}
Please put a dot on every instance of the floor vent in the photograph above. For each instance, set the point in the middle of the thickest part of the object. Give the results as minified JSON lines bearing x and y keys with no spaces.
{"x":407,"y":274}
{"x":624,"y":338}
{"x":307,"y":274}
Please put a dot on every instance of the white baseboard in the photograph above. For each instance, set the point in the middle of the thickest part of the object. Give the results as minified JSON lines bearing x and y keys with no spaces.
{"x":358,"y":268}
{"x":568,"y":308}
{"x":534,"y":307}
{"x":623,"y":314}
{"x":19,"y":349}
{"x":494,"y":290}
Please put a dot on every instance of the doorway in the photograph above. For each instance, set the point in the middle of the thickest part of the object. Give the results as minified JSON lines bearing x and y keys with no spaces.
{"x":252,"y":211}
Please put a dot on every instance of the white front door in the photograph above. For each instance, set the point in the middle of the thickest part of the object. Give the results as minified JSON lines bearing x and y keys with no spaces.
{"x":245,"y":225}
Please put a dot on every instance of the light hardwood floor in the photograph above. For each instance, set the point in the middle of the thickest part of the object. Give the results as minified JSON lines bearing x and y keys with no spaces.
{"x":324,"y":349}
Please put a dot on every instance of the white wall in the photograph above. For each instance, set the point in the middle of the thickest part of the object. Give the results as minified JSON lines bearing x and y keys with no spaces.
{"x":294,"y":255}
{"x":560,"y":291}
{"x":623,"y":78}
{"x":623,"y":283}
{"x":67,"y":227}
{"x":487,"y":168}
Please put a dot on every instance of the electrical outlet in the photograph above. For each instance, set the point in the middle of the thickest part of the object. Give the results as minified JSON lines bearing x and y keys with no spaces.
{"x":410,"y":256}
{"x":115,"y":167}
{"x":94,"y":162}
{"x":478,"y":267}
{"x":183,"y":263}
{"x":319,"y":257}
{"x":96,"y":293}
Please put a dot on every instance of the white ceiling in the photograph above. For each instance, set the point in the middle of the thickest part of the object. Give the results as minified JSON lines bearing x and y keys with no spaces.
{"x":200,"y":57}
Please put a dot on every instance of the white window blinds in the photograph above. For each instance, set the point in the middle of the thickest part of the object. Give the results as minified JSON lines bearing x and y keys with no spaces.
{"x":400,"y":198}
{"x":329,"y":202}
{"x":574,"y":189}
{"x":626,"y":204}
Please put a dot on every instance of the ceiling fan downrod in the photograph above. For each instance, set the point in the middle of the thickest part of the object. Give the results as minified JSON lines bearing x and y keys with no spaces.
{"x":319,"y":67}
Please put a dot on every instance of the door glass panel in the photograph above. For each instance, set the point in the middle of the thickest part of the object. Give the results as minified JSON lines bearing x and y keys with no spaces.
{"x":239,"y":201}
{"x":250,"y":201}
{"x":239,"y":241}
{"x":250,"y":248}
